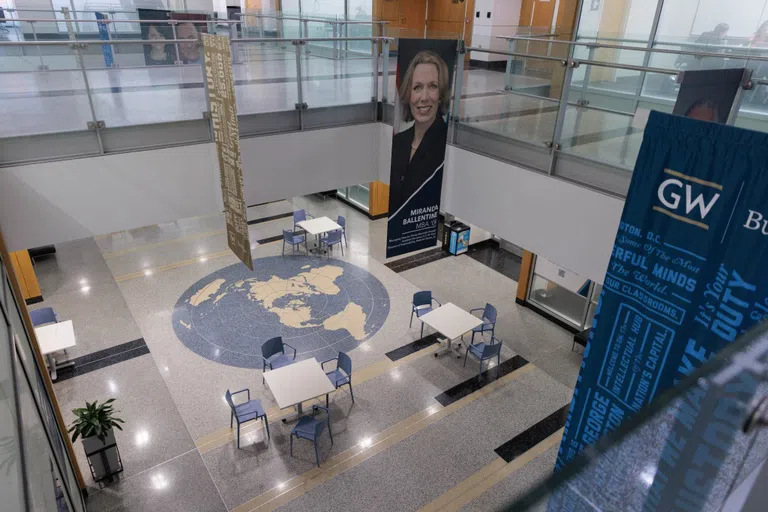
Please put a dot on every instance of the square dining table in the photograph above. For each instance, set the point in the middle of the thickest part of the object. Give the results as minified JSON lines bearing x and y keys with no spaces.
{"x":298,"y":382}
{"x":318,"y":226}
{"x":452,"y":322}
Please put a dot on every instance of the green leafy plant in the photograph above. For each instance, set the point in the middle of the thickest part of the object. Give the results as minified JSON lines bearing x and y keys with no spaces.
{"x":94,"y":420}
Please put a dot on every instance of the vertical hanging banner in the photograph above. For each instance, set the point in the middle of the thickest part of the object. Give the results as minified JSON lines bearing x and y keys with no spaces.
{"x":220,"y":88}
{"x":686,"y":275}
{"x":106,"y":49}
{"x":424,"y":75}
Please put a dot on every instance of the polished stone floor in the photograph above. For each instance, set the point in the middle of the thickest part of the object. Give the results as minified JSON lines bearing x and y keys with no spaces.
{"x":418,"y":428}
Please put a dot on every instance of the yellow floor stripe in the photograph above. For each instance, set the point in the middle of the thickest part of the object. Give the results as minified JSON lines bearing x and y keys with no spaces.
{"x":177,"y":264}
{"x":481,"y":481}
{"x":351,"y":457}
{"x":205,"y":216}
{"x":114,"y":254}
{"x":129,"y":250}
{"x":171,"y":266}
{"x":227,"y":435}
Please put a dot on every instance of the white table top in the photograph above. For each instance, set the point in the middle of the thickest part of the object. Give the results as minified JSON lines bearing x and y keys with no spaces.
{"x":451,"y":321}
{"x":298,"y":382}
{"x":55,"y":337}
{"x":318,"y":225}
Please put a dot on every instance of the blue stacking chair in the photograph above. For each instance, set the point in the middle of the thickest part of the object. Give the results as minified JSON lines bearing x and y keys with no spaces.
{"x":489,"y":321}
{"x":310,"y":427}
{"x":341,"y":375}
{"x":299,"y":216}
{"x":484,"y":351}
{"x":43,"y":316}
{"x":292,"y":238}
{"x":242,"y":413}
{"x":274,"y":356}
{"x":422,"y":304}
{"x":342,"y":221}
{"x":331,"y":239}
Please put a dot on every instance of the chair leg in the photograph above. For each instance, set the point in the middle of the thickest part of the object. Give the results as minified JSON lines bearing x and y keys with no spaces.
{"x":283,"y":247}
{"x":317,"y":455}
{"x":291,"y":445}
{"x":422,"y":329}
{"x":411,"y":324}
{"x":238,"y":435}
{"x":342,"y":248}
{"x":327,"y":403}
{"x":266,"y":425}
{"x":466,"y":354}
{"x":330,"y":433}
{"x":472,"y":341}
{"x":231,"y":417}
{"x":350,"y":390}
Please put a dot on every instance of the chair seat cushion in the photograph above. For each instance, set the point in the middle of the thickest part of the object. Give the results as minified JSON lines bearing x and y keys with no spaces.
{"x":337,"y":377}
{"x":423,"y":310}
{"x":252,"y":408}
{"x":477,"y":349}
{"x":307,"y":426}
{"x":280,"y":361}
{"x":298,"y":239}
{"x":483,"y":327}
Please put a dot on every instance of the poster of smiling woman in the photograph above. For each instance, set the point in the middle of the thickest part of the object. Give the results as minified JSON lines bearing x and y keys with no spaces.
{"x":424,"y":76}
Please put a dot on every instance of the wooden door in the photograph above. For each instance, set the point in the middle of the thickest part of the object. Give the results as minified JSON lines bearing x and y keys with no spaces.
{"x":412,"y":13}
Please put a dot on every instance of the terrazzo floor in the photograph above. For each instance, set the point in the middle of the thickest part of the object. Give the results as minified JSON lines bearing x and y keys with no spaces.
{"x":396,"y":446}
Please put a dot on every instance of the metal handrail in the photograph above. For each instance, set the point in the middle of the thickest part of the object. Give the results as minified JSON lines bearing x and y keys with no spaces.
{"x":107,"y":21}
{"x":514,"y":54}
{"x":577,"y":62}
{"x":635,"y":49}
{"x":68,"y":42}
{"x":540,"y":35}
{"x":319,"y":20}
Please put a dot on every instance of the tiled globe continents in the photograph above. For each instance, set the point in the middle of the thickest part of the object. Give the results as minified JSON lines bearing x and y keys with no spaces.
{"x":320,"y":306}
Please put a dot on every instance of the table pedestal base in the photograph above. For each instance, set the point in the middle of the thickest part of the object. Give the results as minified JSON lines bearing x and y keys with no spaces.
{"x":449,"y":348}
{"x":295,"y":416}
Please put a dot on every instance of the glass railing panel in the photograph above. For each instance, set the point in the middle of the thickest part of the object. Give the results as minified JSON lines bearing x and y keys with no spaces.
{"x":342,"y":81}
{"x":753,"y":112}
{"x":158,"y":91}
{"x":603,"y":136}
{"x":516,"y":116}
{"x":639,"y":467}
{"x":265,"y":78}
{"x":41,"y":101}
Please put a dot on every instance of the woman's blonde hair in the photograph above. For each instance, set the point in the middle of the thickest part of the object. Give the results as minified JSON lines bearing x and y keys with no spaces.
{"x":425,"y":57}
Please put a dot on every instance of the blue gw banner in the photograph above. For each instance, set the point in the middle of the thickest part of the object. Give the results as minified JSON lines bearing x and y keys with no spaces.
{"x":106,"y":49}
{"x":687,"y":273}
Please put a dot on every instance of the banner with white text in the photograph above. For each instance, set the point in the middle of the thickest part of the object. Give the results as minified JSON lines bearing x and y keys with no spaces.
{"x":424,"y":75}
{"x":687,"y":274}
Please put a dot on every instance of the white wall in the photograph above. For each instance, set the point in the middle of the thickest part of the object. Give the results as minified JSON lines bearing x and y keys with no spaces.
{"x":505,"y":17}
{"x":567,"y":224}
{"x":58,"y":201}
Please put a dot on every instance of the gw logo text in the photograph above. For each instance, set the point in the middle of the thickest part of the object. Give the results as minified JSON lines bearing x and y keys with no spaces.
{"x":679,"y":201}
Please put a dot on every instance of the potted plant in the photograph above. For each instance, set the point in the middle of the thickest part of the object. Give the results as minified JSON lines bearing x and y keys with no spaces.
{"x":95,"y":423}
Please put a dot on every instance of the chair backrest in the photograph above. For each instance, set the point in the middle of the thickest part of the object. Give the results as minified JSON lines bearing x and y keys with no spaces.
{"x":228,"y":398}
{"x":423,"y":298}
{"x":42,"y":316}
{"x":288,"y":236}
{"x":299,"y":215}
{"x":319,"y":424}
{"x":341,"y":221}
{"x":492,"y":349}
{"x":345,"y":363}
{"x":333,"y":237}
{"x":489,"y":313}
{"x":272,"y":346}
